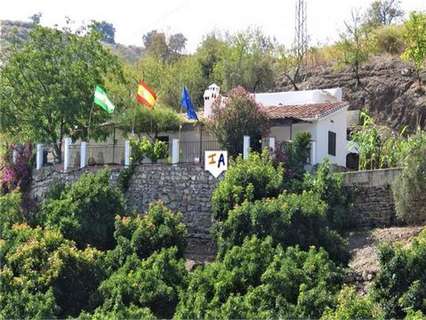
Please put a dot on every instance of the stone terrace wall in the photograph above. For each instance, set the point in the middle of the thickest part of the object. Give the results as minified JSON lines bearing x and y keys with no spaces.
{"x":184,"y":188}
{"x":373,"y":203}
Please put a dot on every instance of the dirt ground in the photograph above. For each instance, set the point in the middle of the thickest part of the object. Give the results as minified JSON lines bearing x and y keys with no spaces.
{"x":363,"y":246}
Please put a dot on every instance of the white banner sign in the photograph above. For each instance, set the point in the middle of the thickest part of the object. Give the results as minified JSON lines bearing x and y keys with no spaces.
{"x":216,"y":162}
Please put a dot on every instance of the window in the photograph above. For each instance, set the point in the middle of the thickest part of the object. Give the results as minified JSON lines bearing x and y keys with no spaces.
{"x":331,"y":143}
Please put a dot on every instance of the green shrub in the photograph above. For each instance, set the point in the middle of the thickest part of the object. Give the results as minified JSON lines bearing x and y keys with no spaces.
{"x":252,"y":179}
{"x":119,"y":312}
{"x":352,"y":306}
{"x":144,"y":234}
{"x":389,"y":39}
{"x":85,"y":211}
{"x":146,"y":148}
{"x":409,"y":189}
{"x":399,"y":286}
{"x":258,"y":281}
{"x":330,"y":189}
{"x":290,"y":219}
{"x":152,"y":283}
{"x":10,"y":212}
{"x":53,"y":276}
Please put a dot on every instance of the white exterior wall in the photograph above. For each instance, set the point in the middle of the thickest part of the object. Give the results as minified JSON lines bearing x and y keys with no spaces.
{"x":318,"y":129}
{"x":336,"y":122}
{"x":281,"y":133}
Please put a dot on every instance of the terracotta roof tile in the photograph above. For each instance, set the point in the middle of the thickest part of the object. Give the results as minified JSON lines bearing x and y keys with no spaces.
{"x":304,"y":112}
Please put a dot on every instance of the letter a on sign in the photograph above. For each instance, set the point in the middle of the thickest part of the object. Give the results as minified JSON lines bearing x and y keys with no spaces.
{"x":216,"y":162}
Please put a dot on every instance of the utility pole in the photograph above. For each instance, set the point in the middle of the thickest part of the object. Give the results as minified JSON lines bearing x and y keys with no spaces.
{"x":300,"y":45}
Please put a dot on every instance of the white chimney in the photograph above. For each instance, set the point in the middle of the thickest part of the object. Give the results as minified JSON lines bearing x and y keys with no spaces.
{"x":210,"y":96}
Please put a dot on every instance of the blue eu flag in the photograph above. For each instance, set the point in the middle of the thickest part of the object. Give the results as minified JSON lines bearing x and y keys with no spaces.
{"x":186,"y":102}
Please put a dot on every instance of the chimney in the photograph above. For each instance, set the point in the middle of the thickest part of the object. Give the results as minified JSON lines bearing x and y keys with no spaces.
{"x":210,"y":96}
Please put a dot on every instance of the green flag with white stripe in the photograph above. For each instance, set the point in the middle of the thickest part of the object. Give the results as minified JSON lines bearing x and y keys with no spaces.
{"x":102,"y":100}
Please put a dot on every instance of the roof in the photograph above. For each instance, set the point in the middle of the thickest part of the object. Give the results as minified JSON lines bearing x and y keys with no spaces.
{"x":306,"y":112}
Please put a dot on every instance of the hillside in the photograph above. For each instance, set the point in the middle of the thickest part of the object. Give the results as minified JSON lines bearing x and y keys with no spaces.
{"x":388,"y":90}
{"x":20,"y":29}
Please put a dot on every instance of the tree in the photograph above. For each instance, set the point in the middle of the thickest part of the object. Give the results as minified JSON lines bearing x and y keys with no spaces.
{"x":35,"y":18}
{"x":106,"y":29}
{"x":239,"y":116}
{"x":47,"y":86}
{"x":152,"y":283}
{"x":253,"y":179}
{"x":383,"y":12}
{"x":177,"y":43}
{"x":409,"y":189}
{"x":415,"y":38}
{"x":260,"y":281}
{"x":85,"y":211}
{"x":398,"y":287}
{"x":247,"y":62}
{"x":290,"y":220}
{"x":156,"y":45}
{"x":354,"y":45}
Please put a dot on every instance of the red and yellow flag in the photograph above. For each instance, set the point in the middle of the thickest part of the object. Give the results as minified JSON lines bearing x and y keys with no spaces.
{"x":145,"y":95}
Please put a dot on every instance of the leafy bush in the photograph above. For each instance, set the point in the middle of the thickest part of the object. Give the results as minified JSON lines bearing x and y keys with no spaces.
{"x":252,"y":179}
{"x":290,"y":219}
{"x":152,"y":150}
{"x":43,"y":274}
{"x":144,"y":234}
{"x":352,"y":306}
{"x":389,"y":39}
{"x":85,"y":211}
{"x":295,"y":156}
{"x":152,"y":283}
{"x":10,"y":212}
{"x":239,"y":117}
{"x":330,"y":189}
{"x":399,"y":286}
{"x":258,"y":281}
{"x":119,"y":312}
{"x":409,"y":189}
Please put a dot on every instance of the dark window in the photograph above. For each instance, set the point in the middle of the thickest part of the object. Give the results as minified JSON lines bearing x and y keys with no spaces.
{"x":331,"y":143}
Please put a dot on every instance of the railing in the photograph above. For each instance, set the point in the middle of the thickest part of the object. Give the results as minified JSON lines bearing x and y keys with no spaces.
{"x":193,"y":151}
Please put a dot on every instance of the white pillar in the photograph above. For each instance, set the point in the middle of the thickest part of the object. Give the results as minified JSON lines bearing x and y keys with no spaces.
{"x":246,"y":147}
{"x":175,"y":151}
{"x":39,"y":156}
{"x":272,"y":144}
{"x":83,"y":154}
{"x":67,"y":153}
{"x":313,"y":152}
{"x":127,"y":153}
{"x":14,"y":155}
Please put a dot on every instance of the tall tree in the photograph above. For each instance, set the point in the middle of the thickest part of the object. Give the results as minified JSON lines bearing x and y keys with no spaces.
{"x":240,"y":116}
{"x":384,"y":12}
{"x":47,"y":86}
{"x":354,"y":45}
{"x":177,"y":42}
{"x":156,"y":45}
{"x":106,"y":29}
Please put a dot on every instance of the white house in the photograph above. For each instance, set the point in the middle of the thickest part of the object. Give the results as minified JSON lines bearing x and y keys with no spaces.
{"x":322,"y":113}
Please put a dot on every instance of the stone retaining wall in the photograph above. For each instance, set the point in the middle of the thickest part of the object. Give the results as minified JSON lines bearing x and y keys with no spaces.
{"x":373,"y":203}
{"x":188,"y":189}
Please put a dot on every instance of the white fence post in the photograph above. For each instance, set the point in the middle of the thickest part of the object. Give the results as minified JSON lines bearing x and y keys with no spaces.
{"x":272,"y":144}
{"x":14,"y":155}
{"x":246,"y":147}
{"x":67,"y":153}
{"x":39,"y":156}
{"x":127,"y":153}
{"x":313,"y":152}
{"x":83,"y":154}
{"x":175,"y":151}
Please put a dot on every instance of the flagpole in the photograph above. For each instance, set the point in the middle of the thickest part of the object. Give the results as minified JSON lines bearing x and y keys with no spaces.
{"x":90,"y":120}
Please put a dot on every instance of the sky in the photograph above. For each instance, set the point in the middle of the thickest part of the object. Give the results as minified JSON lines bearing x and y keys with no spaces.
{"x":196,"y":18}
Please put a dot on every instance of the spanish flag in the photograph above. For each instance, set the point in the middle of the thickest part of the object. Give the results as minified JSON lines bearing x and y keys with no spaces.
{"x":145,"y":95}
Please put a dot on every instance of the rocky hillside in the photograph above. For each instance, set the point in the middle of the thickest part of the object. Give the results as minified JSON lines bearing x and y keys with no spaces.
{"x":388,"y":90}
